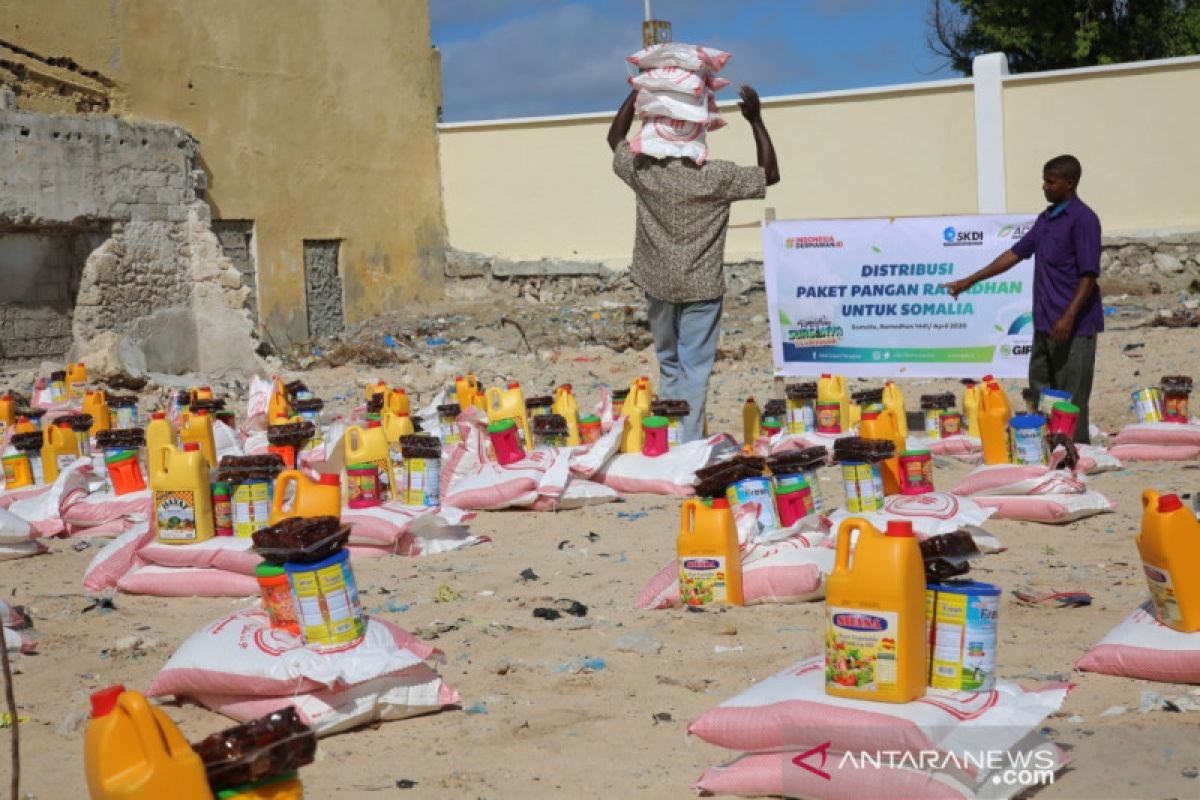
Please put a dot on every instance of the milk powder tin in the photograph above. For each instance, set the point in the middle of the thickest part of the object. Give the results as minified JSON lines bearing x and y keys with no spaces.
{"x":1147,"y":404}
{"x":326,"y":602}
{"x":864,"y":486}
{"x":1027,"y":440}
{"x":962,"y":634}
{"x":756,"y":490}
{"x":1048,"y":398}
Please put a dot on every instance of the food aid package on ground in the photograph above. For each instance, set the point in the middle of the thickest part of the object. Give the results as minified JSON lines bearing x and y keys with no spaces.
{"x":241,"y":667}
{"x":409,"y":530}
{"x":791,"y":710}
{"x":1052,"y":509}
{"x":1160,"y":433}
{"x":17,"y":636}
{"x":470,"y":479}
{"x":830,"y":775}
{"x":791,"y":570}
{"x":43,"y":511}
{"x":672,"y":473}
{"x":679,"y":54}
{"x":931,"y":514}
{"x":1155,"y":452}
{"x":1142,"y":647}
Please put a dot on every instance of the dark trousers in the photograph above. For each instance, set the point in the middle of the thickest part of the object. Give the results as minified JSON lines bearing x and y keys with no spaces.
{"x":1068,"y":367}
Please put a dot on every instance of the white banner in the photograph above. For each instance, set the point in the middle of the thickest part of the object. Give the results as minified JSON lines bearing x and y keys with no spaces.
{"x":863,"y":297}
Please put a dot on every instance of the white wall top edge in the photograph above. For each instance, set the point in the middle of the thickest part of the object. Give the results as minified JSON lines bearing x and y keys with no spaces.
{"x":1128,"y":66}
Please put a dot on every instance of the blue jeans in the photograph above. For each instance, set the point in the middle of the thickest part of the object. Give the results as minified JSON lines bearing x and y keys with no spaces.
{"x":685,"y":341}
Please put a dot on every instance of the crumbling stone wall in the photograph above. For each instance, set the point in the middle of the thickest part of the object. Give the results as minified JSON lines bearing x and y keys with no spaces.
{"x":160,"y":277}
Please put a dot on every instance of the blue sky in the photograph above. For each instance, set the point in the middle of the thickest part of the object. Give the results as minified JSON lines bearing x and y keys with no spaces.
{"x":523,"y":58}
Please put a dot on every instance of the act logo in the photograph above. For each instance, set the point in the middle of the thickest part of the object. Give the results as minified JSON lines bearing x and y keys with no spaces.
{"x":1013,"y":231}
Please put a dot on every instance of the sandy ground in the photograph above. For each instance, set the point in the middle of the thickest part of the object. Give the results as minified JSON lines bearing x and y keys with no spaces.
{"x":620,"y":731}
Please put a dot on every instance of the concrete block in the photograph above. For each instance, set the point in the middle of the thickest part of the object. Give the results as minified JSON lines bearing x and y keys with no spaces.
{"x":525,"y":269}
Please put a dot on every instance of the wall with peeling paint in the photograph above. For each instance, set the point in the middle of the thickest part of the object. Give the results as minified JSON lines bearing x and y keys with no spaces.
{"x":317,"y":120}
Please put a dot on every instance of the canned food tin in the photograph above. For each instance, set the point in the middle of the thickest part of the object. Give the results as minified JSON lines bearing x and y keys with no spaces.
{"x":962,"y":635}
{"x":933,"y":427}
{"x":864,"y":486}
{"x":1147,"y":404}
{"x":326,"y":602}
{"x":1027,"y":440}
{"x":251,"y":507}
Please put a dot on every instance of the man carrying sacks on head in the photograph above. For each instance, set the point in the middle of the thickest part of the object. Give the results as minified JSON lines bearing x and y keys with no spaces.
{"x":679,"y":249}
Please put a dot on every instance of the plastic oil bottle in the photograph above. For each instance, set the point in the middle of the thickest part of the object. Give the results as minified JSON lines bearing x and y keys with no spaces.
{"x":893,"y":400}
{"x":396,"y":401}
{"x":159,"y":435}
{"x":640,"y":396}
{"x":297,"y":495}
{"x":197,"y":428}
{"x":465,"y":389}
{"x":182,"y":505}
{"x":8,"y":415}
{"x":972,"y":399}
{"x":832,"y":389}
{"x":370,"y":446}
{"x":710,"y":561}
{"x":510,"y":404}
{"x":278,"y":407}
{"x":1169,"y":544}
{"x":882,"y":425}
{"x":379,"y":387}
{"x":994,"y":414}
{"x":96,"y":404}
{"x":60,"y":448}
{"x":567,"y":407}
{"x":77,"y":378}
{"x":632,"y":435}
{"x":876,"y":647}
{"x":396,"y":424}
{"x":132,"y":750}
{"x":751,"y":422}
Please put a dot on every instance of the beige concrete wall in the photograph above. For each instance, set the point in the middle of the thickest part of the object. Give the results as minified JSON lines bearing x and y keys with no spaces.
{"x":316,"y":119}
{"x":543,"y":188}
{"x":1135,"y":129}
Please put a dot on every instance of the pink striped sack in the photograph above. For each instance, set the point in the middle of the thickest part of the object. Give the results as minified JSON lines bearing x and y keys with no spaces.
{"x":43,"y":511}
{"x":239,"y":666}
{"x":1157,"y":441}
{"x":1051,"y":509}
{"x":676,"y":105}
{"x":663,"y":137}
{"x":408,"y":530}
{"x":18,"y":636}
{"x":677,"y":54}
{"x":242,"y":654}
{"x":1142,"y":647}
{"x":790,"y":711}
{"x":673,"y":473}
{"x":830,"y":775}
{"x":931,"y":514}
{"x":1032,"y":493}
{"x":677,"y":81}
{"x":470,"y":479}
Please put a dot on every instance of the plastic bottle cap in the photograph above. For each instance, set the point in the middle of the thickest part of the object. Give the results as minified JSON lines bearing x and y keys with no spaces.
{"x":789,"y":488}
{"x":399,"y":390}
{"x":202,"y":412}
{"x":265,"y":570}
{"x":158,"y":415}
{"x":374,"y":423}
{"x":401,"y":413}
{"x":566,"y":387}
{"x":900,"y":528}
{"x":720,"y":502}
{"x":329,"y":479}
{"x":988,"y":379}
{"x":826,"y":374}
{"x":1169,"y":502}
{"x":191,"y":447}
{"x":105,"y":700}
{"x":870,"y":415}
{"x":501,"y":425}
{"x":514,"y":385}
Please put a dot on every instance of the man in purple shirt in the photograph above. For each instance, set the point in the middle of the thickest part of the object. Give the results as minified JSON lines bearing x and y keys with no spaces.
{"x":1067,"y":315}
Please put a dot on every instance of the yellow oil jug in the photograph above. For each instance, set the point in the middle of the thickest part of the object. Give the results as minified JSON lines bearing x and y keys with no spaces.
{"x":882,"y":425}
{"x":994,"y":414}
{"x":832,"y":389}
{"x":510,"y":404}
{"x":972,"y":399}
{"x":197,"y":428}
{"x":632,"y":435}
{"x":199,"y":393}
{"x":1169,"y":544}
{"x":856,"y":412}
{"x":159,"y":435}
{"x":24,"y":425}
{"x":182,"y":505}
{"x":370,"y":446}
{"x":751,"y":422}
{"x":640,"y":396}
{"x":297,"y":495}
{"x":876,"y":647}
{"x":77,"y":378}
{"x":710,"y":561}
{"x":8,"y":415}
{"x":893,"y":400}
{"x":396,"y":425}
{"x":132,"y":750}
{"x":278,"y":407}
{"x":60,"y":448}
{"x":465,"y":389}
{"x":96,"y":404}
{"x":396,"y":401}
{"x":566,"y":407}
{"x":992,"y":388}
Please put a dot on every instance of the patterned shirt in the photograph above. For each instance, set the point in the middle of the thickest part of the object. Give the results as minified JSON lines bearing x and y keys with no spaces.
{"x":682,"y":216}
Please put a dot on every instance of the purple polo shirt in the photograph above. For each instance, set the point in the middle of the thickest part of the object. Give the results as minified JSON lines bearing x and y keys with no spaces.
{"x":1065,"y":243}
